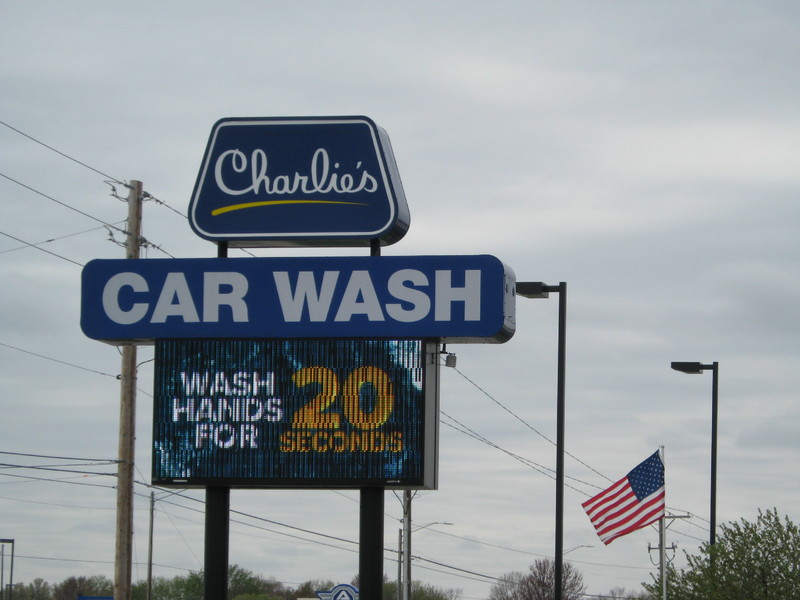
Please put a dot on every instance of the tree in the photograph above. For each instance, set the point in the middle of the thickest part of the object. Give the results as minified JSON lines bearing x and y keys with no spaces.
{"x":539,"y":583}
{"x":246,"y":585}
{"x":424,"y":591}
{"x":621,"y":593}
{"x":752,"y":561}
{"x":72,"y":587}
{"x":508,"y":587}
{"x":39,"y":589}
{"x":309,"y":588}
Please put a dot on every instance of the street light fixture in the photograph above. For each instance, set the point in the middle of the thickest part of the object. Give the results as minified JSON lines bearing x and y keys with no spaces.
{"x":537,"y":289}
{"x":429,"y":524}
{"x":695,"y":368}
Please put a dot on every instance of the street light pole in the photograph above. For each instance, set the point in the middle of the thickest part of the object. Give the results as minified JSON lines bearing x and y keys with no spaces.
{"x":537,"y":289}
{"x":11,"y":578}
{"x":407,"y":544}
{"x":693,"y":368}
{"x":405,"y":582}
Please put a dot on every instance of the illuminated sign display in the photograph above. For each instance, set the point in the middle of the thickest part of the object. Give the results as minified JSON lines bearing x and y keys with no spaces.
{"x":450,"y":298}
{"x":296,"y":414}
{"x":298,"y":181}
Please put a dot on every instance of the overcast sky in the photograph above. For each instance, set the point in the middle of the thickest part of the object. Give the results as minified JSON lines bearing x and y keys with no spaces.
{"x":646,"y":153}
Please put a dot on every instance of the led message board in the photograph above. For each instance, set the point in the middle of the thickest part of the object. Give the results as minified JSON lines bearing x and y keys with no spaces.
{"x":296,"y":414}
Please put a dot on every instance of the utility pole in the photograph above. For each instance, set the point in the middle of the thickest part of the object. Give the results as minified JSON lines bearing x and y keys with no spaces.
{"x":150,"y":548}
{"x":407,"y":544}
{"x":662,"y":549}
{"x":123,"y":556}
{"x":400,"y":564}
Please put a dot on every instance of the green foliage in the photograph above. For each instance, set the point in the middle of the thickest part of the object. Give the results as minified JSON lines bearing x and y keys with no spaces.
{"x":39,"y":589}
{"x":309,"y":588}
{"x":242,"y":585}
{"x":621,"y":593}
{"x":423,"y":591}
{"x":72,"y":587}
{"x":750,"y":561}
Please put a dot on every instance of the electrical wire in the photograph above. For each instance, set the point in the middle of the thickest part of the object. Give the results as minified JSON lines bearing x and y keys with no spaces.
{"x":548,"y":472}
{"x":528,"y":425}
{"x":42,"y":356}
{"x":16,"y":239}
{"x":60,"y":203}
{"x":55,"y":239}
{"x":75,"y":160}
{"x":51,"y":457}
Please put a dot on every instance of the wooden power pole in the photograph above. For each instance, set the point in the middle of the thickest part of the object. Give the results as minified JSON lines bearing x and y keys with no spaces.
{"x":123,"y":558}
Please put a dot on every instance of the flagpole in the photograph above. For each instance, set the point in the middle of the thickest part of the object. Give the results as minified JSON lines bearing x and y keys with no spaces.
{"x":662,"y":536}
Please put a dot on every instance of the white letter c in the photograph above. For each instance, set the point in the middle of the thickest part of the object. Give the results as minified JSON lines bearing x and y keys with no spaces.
{"x":111,"y":298}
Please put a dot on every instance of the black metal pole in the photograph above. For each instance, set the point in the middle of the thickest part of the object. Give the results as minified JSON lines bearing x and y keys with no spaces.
{"x":370,"y":533}
{"x":217,"y":535}
{"x":714,"y":387}
{"x":560,"y":426}
{"x":370,"y":548}
{"x":215,"y":580}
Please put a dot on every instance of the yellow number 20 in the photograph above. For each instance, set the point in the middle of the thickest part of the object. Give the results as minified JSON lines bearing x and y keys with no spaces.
{"x":315,"y":414}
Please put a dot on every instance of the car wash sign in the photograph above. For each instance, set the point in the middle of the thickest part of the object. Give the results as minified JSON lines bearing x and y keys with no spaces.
{"x":298,"y":181}
{"x":453,"y":298}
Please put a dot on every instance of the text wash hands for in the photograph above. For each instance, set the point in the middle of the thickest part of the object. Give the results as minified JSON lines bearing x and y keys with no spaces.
{"x":226,"y":409}
{"x":229,"y":289}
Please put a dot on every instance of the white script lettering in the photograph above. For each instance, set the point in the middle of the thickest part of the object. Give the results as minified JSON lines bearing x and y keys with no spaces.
{"x":322,"y":177}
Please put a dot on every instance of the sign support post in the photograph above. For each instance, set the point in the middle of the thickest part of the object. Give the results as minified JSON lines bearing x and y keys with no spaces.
{"x":370,"y":535}
{"x":370,"y":544}
{"x":217,"y":536}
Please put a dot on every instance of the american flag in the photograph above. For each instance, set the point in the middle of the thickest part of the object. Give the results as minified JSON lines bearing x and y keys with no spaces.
{"x":633,"y":502}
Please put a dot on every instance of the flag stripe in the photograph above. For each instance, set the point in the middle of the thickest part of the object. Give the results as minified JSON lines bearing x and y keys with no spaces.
{"x":637,"y":518}
{"x":654,"y":515}
{"x":597,"y":502}
{"x":627,"y":512}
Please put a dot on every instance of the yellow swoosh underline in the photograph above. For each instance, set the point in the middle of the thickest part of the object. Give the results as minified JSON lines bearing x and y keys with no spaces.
{"x":232,"y":207}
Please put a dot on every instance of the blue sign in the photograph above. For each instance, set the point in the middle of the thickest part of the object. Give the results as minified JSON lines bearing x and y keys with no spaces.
{"x":452,"y":298}
{"x":298,"y":181}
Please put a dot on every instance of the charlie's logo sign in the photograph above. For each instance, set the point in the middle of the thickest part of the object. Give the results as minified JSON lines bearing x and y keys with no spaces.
{"x":298,"y":181}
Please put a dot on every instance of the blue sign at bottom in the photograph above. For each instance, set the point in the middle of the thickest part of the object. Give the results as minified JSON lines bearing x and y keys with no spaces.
{"x":342,"y":591}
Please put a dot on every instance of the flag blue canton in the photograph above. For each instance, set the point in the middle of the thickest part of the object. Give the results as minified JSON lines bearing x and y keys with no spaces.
{"x":647,"y":477}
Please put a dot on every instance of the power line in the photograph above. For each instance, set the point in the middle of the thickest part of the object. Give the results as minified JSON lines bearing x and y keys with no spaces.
{"x":535,"y":466}
{"x":111,"y":227}
{"x":4,"y":466}
{"x":55,"y":239}
{"x":99,"y":562}
{"x":149,"y":196}
{"x":75,"y":160}
{"x":58,"y":361}
{"x":60,"y":203}
{"x":16,"y":239}
{"x":528,"y":425}
{"x":62,"y":480}
{"x":108,"y":460}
